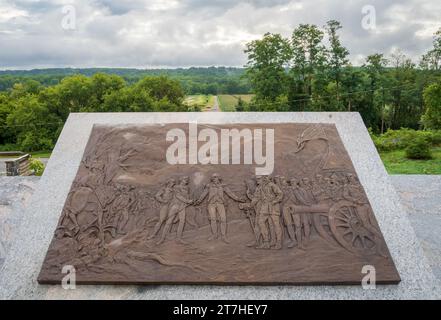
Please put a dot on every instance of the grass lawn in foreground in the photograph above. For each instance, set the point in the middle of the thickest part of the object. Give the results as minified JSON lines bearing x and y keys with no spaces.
{"x":397,"y":163}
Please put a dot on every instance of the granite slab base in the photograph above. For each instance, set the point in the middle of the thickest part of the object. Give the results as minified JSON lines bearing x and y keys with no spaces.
{"x":15,"y":194}
{"x":18,"y":277}
{"x":420,"y":196}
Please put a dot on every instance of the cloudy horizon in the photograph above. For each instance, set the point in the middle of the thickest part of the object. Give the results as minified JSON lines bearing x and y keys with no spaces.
{"x":172,"y":33}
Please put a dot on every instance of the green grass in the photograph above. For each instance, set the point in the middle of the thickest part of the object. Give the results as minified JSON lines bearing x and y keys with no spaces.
{"x":228,"y":102}
{"x":202,"y":100}
{"x":36,"y":154}
{"x":245,"y":97}
{"x":41,"y":154}
{"x":396,"y":163}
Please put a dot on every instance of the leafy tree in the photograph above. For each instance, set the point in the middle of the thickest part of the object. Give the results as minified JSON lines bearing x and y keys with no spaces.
{"x":149,"y":94}
{"x":161,"y":88}
{"x":102,"y":85}
{"x":387,"y":92}
{"x":337,"y":54}
{"x":264,"y":104}
{"x":431,"y":118}
{"x":240,"y":105}
{"x":6,"y":136}
{"x":267,"y":61}
{"x":432,"y":59}
{"x":406,"y":110}
{"x":126,"y":100}
{"x":33,"y":115}
{"x":375,"y":67}
{"x":74,"y":93}
{"x":32,"y":123}
{"x":308,"y":63}
{"x":26,"y":87}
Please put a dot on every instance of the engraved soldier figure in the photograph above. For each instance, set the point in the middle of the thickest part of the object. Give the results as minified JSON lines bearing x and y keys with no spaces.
{"x":304,"y":192}
{"x":318,"y":190}
{"x":292,"y":219}
{"x":215,"y":190}
{"x":180,"y":201}
{"x":298,"y":224}
{"x":353,"y":191}
{"x":281,"y":182}
{"x":164,"y":197}
{"x":266,"y":200}
{"x":335,"y":188}
{"x":120,"y":207}
{"x":307,"y":198}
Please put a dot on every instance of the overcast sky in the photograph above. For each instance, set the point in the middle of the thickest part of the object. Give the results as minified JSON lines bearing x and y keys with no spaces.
{"x":182,"y":33}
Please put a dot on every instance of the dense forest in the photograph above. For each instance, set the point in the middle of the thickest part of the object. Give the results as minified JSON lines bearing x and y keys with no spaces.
{"x":32,"y":115}
{"x":212,"y":80}
{"x":310,"y":71}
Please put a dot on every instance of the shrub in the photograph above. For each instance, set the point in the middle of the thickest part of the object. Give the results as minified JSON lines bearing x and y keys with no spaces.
{"x":34,"y":141}
{"x":10,"y":147}
{"x":418,"y":148}
{"x":435,"y":139}
{"x":431,"y":119}
{"x":194,"y":108}
{"x":37,"y":166}
{"x":400,"y":139}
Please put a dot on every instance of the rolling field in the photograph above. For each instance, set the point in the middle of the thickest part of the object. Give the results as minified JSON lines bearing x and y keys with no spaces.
{"x":228,"y":102}
{"x":203,"y":101}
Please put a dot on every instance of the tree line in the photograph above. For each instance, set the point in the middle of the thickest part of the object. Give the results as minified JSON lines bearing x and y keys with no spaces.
{"x":32,"y":115}
{"x":310,"y":71}
{"x":195,"y":80}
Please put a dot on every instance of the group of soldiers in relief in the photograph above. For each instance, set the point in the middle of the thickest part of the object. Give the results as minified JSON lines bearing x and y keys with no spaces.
{"x":272,"y":202}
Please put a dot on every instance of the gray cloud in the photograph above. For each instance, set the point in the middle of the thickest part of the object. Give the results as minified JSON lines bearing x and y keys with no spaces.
{"x":158,"y":33}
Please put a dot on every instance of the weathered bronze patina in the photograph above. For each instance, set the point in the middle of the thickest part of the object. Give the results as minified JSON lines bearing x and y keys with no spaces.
{"x":132,"y":217}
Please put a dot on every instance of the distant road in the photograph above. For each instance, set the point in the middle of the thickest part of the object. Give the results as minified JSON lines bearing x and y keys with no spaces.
{"x":215,"y":107}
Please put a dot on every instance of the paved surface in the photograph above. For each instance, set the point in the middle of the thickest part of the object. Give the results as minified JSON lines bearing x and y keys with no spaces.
{"x":421,"y":196}
{"x":215,"y":107}
{"x":15,"y":193}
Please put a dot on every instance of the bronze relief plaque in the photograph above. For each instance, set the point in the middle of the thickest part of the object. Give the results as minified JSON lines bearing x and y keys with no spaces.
{"x":158,"y":204}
